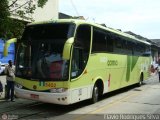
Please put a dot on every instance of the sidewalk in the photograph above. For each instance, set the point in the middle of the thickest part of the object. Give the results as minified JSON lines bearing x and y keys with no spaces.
{"x":153,"y":79}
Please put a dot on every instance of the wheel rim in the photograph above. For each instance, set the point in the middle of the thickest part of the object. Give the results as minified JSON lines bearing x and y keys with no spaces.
{"x":95,"y":94}
{"x":141,"y":80}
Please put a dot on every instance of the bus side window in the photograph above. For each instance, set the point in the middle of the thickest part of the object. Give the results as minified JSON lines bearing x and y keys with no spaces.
{"x":109,"y":44}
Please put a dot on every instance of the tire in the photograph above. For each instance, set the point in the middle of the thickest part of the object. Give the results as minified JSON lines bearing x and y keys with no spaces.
{"x":140,"y":81}
{"x":95,"y":94}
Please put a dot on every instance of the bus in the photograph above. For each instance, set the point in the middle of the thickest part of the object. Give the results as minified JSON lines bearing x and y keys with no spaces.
{"x":66,"y":61}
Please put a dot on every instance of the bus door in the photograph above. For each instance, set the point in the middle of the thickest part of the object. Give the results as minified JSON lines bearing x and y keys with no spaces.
{"x":80,"y":55}
{"x":78,"y":62}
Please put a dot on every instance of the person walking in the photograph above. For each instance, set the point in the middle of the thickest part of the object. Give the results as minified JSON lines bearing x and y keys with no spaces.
{"x":10,"y":76}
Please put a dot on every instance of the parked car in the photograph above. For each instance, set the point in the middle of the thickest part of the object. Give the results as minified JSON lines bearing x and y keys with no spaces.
{"x":2,"y":67}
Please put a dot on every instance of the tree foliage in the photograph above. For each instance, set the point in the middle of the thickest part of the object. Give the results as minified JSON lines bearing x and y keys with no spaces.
{"x":22,"y":11}
{"x":4,"y":20}
{"x":41,"y":3}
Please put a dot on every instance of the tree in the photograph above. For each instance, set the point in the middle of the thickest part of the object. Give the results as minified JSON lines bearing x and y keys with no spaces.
{"x":22,"y":9}
{"x":25,"y":8}
{"x":4,"y":20}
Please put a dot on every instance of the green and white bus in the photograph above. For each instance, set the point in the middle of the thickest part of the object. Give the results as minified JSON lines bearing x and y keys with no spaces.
{"x":67,"y":61}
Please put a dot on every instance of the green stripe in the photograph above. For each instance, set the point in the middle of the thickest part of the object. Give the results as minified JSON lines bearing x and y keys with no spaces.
{"x":134,"y":61}
{"x":131,"y":63}
{"x":128,"y":68}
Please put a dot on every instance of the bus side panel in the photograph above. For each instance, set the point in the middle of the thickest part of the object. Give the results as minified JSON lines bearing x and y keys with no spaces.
{"x":133,"y":70}
{"x":116,"y":67}
{"x":82,"y":86}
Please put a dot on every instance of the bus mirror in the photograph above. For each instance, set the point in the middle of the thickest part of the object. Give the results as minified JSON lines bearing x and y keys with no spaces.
{"x":7,"y":44}
{"x":67,"y":48}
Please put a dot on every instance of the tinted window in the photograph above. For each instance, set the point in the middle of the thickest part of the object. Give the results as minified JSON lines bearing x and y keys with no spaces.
{"x":99,"y":41}
{"x":81,"y":50}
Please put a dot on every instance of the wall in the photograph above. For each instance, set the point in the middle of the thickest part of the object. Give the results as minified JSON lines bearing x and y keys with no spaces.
{"x":48,"y":12}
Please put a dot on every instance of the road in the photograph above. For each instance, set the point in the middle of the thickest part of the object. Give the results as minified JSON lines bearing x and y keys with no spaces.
{"x":129,"y":103}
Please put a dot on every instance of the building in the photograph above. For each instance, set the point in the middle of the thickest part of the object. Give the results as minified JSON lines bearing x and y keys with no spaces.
{"x":65,"y":16}
{"x":48,"y":12}
{"x":155,"y":47}
{"x":40,"y":14}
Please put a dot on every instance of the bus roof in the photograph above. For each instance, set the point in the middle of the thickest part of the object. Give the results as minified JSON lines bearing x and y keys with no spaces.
{"x":78,"y":21}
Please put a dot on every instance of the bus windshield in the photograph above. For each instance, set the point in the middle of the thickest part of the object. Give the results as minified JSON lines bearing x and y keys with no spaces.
{"x":40,"y":52}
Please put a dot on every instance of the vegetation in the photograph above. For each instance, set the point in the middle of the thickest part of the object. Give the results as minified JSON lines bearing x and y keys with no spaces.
{"x":13,"y":27}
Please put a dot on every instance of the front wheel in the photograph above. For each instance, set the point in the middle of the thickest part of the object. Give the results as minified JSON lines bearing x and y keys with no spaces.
{"x":95,"y":94}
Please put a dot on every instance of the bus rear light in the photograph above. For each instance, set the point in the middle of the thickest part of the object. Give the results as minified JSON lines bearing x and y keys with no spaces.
{"x":58,"y":90}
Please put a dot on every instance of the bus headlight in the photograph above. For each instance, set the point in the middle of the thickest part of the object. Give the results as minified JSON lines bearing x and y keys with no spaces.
{"x":18,"y":86}
{"x":58,"y":90}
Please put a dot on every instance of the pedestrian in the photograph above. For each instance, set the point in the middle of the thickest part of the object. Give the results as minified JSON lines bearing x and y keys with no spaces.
{"x":154,"y":66}
{"x":10,"y":76}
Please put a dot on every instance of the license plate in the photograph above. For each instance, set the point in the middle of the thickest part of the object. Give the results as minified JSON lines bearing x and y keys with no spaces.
{"x":34,"y":96}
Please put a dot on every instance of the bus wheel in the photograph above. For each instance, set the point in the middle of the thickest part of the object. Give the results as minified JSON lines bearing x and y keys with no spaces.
{"x":95,"y":94}
{"x":140,"y":81}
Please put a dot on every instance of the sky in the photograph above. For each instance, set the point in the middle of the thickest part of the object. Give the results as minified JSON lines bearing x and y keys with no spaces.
{"x":142,"y":17}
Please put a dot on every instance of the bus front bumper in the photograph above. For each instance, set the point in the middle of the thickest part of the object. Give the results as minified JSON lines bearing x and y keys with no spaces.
{"x":56,"y":98}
